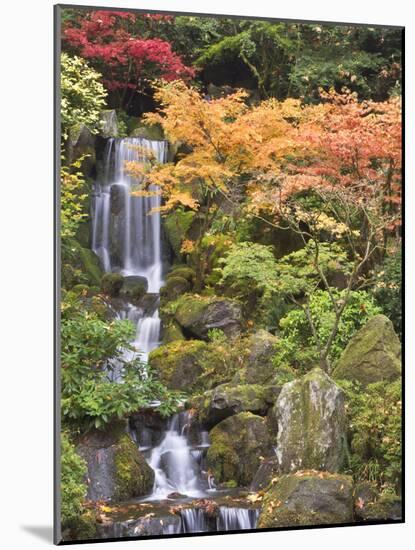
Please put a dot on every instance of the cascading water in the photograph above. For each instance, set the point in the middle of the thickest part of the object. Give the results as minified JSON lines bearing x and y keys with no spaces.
{"x":126,"y":229}
{"x":177,"y":469}
{"x":125,"y":235}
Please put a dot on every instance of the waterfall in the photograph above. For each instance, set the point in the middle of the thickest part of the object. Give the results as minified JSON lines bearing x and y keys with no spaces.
{"x":230,"y":519}
{"x":125,"y":236}
{"x":176,"y":468}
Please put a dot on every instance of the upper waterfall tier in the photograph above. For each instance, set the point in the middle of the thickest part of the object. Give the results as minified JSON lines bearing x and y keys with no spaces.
{"x":125,"y":235}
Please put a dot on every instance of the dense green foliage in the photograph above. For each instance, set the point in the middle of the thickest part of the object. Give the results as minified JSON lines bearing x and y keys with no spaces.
{"x":92,"y":351}
{"x":375,"y":417}
{"x":297,"y":346}
{"x":73,"y":487}
{"x":73,"y":199}
{"x":388,"y":289}
{"x":83,"y":94}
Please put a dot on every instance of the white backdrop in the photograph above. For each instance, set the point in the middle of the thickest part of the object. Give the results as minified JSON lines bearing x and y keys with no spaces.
{"x":26,"y":199}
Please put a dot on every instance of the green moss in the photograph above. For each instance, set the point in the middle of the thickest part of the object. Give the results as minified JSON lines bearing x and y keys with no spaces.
{"x":307,"y":498}
{"x":388,"y":506}
{"x":148,"y":131}
{"x":172,"y":332}
{"x":84,"y":527}
{"x":175,"y":286}
{"x":176,"y":225}
{"x":183,"y":271}
{"x":111,"y":283}
{"x":237,"y":443}
{"x":372,"y":355}
{"x":89,"y":262}
{"x":133,"y":476}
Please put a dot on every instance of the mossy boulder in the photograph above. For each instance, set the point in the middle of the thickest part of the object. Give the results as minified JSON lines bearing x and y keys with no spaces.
{"x":387,"y":507}
{"x":111,"y":283}
{"x":267,"y":471}
{"x":116,"y":468}
{"x":372,"y":355}
{"x":176,"y":225}
{"x":84,"y":266}
{"x":81,"y":142}
{"x":174,"y":287}
{"x":148,"y":131}
{"x":134,"y":287}
{"x":227,"y":400}
{"x":183,"y":271}
{"x":237,"y":444}
{"x":183,"y":364}
{"x":307,"y":498}
{"x":109,"y":124}
{"x":258,"y":351}
{"x":199,"y":314}
{"x":309,"y":417}
{"x":171,"y":332}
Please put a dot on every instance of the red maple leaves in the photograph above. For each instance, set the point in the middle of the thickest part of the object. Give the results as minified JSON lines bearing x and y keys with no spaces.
{"x":111,"y":41}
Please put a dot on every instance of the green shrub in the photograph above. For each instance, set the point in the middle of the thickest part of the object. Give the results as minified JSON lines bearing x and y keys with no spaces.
{"x":388,"y":292}
{"x":375,"y":424}
{"x":91,"y":349}
{"x":297,"y":346}
{"x":82,"y":94}
{"x":73,"y":487}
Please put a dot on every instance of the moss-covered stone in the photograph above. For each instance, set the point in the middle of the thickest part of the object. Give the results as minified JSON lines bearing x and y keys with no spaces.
{"x":386,"y":508}
{"x":174,"y":287}
{"x":200,"y":314}
{"x":183,"y":271}
{"x":133,"y":476}
{"x":182,"y":364}
{"x":172,"y":332}
{"x":81,"y":142}
{"x":134,"y":287}
{"x":372,"y":355}
{"x":148,"y":131}
{"x":307,"y":498}
{"x":309,"y":416}
{"x":116,"y":468}
{"x":227,"y":400}
{"x":109,"y":124}
{"x":176,"y":225}
{"x":83,"y":527}
{"x":111,"y":283}
{"x":84,"y":266}
{"x":237,"y":443}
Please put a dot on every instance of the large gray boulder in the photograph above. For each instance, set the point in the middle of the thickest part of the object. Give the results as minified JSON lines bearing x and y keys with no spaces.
{"x":81,"y":142}
{"x":227,"y":400}
{"x":237,"y":445}
{"x":109,"y":124}
{"x":198,"y":315}
{"x":307,"y":498}
{"x":372,"y":355}
{"x":116,"y":468}
{"x":309,"y":417}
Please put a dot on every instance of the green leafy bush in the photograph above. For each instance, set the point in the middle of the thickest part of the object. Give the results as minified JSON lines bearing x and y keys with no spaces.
{"x":375,"y":424}
{"x":92,"y":349}
{"x":73,"y":199}
{"x":388,"y":292}
{"x":73,"y":487}
{"x":249,"y":267}
{"x":82,"y":94}
{"x":297,"y":346}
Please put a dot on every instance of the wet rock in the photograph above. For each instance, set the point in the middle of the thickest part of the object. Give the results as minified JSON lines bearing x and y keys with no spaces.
{"x":311,"y":429}
{"x":176,"y":225}
{"x":237,"y":444}
{"x":81,"y":142}
{"x":148,"y":428}
{"x":372,"y":355}
{"x":116,"y":469}
{"x":370,"y":506}
{"x":134,"y":287}
{"x":227,"y":400}
{"x":174,"y":287}
{"x":111,"y":283}
{"x":181,"y":364}
{"x":307,"y":498}
{"x":109,"y":124}
{"x":171,"y":332}
{"x":144,"y":526}
{"x":267,"y":471}
{"x":259,"y":352}
{"x":197,"y":315}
